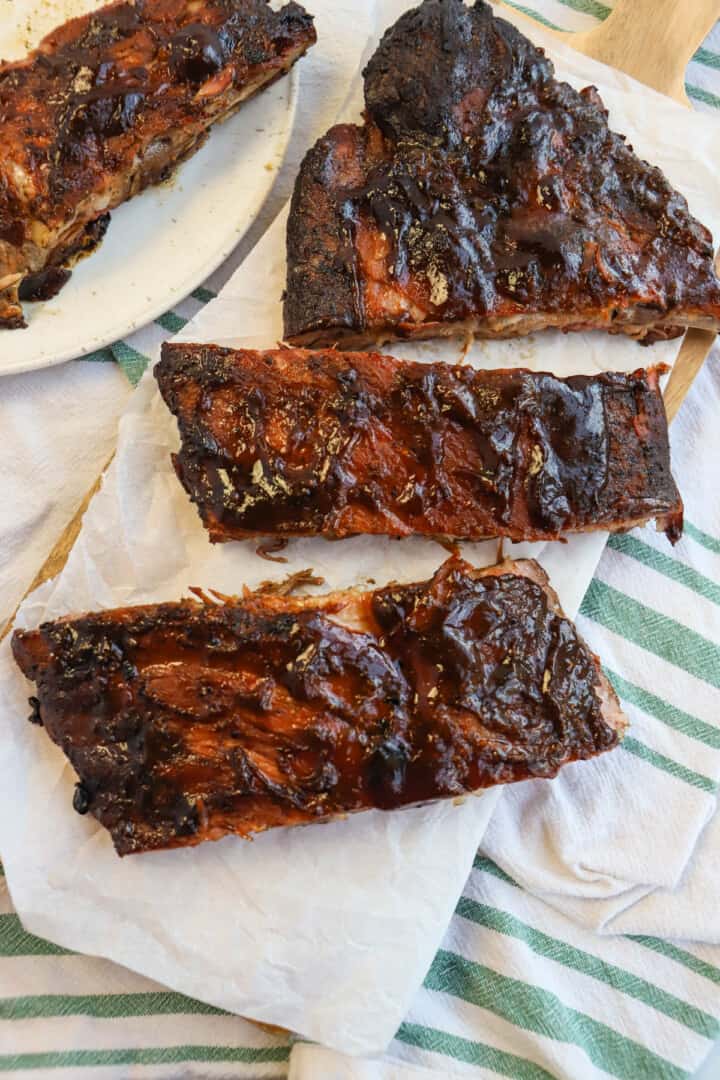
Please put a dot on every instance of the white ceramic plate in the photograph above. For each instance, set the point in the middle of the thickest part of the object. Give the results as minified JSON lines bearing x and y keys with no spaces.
{"x":162,"y":244}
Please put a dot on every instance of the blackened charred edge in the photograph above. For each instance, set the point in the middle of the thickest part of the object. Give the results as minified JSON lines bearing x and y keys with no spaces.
{"x":45,"y":284}
{"x":322,"y":290}
{"x":48,"y":282}
{"x":179,"y":364}
{"x":657,"y":446}
{"x":12,"y":322}
{"x":426,"y":62}
{"x":81,"y":799}
{"x":293,"y":18}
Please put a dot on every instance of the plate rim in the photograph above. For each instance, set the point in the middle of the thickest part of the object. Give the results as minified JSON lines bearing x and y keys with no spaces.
{"x":192,"y":280}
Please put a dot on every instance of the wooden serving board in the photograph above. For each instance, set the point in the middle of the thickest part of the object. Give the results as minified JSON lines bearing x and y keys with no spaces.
{"x":652,"y":40}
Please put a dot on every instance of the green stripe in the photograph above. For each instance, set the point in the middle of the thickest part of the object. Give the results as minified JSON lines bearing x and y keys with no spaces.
{"x":542,"y":1012}
{"x":680,"y":956}
{"x":668,"y":765}
{"x":15,"y":940}
{"x":483,"y":863}
{"x":533,"y":15}
{"x":203,"y":295}
{"x":170,"y":1055}
{"x":658,"y":634}
{"x":588,"y":7}
{"x":102,"y":356}
{"x":473,"y":1053}
{"x":663,"y":564}
{"x":171,"y":322}
{"x":699,"y":94}
{"x":104,"y":1006}
{"x":701,"y":537}
{"x":709,"y":59}
{"x":665,"y":948}
{"x":587,"y":964}
{"x":131,"y":361}
{"x":664,"y":712}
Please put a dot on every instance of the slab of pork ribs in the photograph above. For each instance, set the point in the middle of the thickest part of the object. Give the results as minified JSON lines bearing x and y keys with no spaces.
{"x":186,"y":721}
{"x":109,"y":103}
{"x":483,"y":196}
{"x":290,"y":442}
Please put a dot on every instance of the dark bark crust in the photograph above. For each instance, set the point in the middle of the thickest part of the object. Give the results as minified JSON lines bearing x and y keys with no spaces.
{"x":482,"y":195}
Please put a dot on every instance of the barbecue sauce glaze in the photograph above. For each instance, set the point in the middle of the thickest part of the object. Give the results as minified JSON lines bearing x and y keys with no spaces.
{"x":186,"y":721}
{"x":289,"y":442}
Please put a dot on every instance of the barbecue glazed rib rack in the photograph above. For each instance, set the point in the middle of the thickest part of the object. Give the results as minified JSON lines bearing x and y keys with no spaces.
{"x":188,"y":721}
{"x":483,"y":196}
{"x":288,"y":442}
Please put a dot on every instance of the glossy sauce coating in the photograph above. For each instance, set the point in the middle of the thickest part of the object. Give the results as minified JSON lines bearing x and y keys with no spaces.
{"x":109,"y":103}
{"x":185,"y":722}
{"x":484,"y":194}
{"x":289,"y":442}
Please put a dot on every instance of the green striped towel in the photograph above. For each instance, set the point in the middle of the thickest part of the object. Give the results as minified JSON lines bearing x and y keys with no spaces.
{"x":518,"y":989}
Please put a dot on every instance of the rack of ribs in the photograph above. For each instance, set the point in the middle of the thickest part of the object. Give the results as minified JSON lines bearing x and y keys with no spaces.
{"x":187,"y":721}
{"x":483,"y":196}
{"x":111,"y":102}
{"x":290,"y":442}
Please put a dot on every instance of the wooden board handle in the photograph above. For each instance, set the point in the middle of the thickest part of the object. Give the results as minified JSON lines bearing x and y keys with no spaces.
{"x":652,"y":40}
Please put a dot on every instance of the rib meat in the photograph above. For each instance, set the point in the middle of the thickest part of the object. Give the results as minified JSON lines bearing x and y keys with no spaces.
{"x":187,"y":721}
{"x":109,"y":103}
{"x":483,"y":196}
{"x":291,"y":443}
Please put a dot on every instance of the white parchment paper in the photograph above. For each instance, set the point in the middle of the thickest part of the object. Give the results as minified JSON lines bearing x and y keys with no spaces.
{"x":326,"y":931}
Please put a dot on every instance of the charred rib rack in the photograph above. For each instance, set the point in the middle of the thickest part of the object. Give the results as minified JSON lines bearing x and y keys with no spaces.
{"x":109,"y":103}
{"x":290,"y":443}
{"x":186,"y":721}
{"x":481,"y":195}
